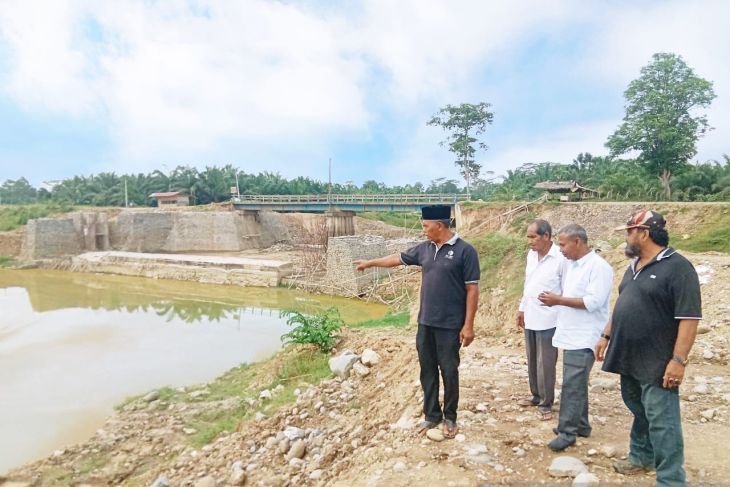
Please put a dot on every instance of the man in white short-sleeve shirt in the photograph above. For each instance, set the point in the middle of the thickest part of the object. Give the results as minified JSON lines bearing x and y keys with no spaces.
{"x":582,"y":314}
{"x":543,"y":272}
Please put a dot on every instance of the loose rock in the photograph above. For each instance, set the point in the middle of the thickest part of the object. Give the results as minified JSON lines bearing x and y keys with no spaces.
{"x":566,"y":466}
{"x":360,"y":369}
{"x":370,"y":357}
{"x":585,"y":479}
{"x":297,"y":450}
{"x":435,"y":434}
{"x":341,"y":365}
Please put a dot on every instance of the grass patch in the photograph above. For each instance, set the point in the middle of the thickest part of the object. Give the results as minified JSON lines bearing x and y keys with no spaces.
{"x":7,"y":261}
{"x":396,"y":320}
{"x":495,"y":250}
{"x":408,"y":220}
{"x":711,"y":238}
{"x":14,"y":216}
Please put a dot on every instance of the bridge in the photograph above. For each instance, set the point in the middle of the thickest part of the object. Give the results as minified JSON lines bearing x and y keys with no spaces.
{"x":340,"y":209}
{"x":324,"y":203}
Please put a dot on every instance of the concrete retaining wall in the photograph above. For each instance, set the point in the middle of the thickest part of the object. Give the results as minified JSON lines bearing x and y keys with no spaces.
{"x":79,"y":232}
{"x":341,"y":276}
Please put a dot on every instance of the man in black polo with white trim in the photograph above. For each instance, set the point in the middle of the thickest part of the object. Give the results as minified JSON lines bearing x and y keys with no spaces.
{"x":449,"y":295}
{"x":648,"y":341}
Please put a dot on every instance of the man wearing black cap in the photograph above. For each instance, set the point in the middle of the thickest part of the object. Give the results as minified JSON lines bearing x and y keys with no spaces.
{"x":648,"y":341}
{"x":449,"y":295}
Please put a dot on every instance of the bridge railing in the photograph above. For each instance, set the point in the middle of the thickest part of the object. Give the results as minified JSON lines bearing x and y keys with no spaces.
{"x":420,"y":198}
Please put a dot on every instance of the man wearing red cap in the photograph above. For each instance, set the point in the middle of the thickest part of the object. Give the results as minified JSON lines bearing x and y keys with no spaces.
{"x":648,"y":341}
{"x":449,"y":295}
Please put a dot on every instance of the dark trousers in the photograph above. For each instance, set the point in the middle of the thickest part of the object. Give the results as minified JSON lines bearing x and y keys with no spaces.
{"x":438,"y":349}
{"x":573,"y":419}
{"x":656,"y":433}
{"x":541,"y":359}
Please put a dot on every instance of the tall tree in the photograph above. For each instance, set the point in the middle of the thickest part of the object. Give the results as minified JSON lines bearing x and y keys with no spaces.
{"x":661,"y":120}
{"x":464,"y":122}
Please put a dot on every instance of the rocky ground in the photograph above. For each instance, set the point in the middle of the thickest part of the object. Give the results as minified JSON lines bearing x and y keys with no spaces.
{"x":359,"y":430}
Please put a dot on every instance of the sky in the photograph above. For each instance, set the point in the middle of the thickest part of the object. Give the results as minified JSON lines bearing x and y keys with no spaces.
{"x":132,"y":86}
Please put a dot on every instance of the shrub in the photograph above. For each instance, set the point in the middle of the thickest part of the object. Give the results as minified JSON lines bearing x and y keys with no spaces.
{"x":319,"y":330}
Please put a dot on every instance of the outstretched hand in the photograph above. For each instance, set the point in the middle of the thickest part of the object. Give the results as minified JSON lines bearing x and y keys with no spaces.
{"x":361,"y":265}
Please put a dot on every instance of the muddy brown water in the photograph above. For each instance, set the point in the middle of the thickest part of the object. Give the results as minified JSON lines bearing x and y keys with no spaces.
{"x":74,"y":345}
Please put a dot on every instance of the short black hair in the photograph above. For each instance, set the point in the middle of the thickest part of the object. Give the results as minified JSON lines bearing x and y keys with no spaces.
{"x":659,"y":236}
{"x":542,"y":227}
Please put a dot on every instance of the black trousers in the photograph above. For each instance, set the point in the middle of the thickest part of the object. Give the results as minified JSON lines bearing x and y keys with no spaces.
{"x":438,"y":349}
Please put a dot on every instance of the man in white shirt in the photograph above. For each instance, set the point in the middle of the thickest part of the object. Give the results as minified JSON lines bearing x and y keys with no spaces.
{"x":582,"y":314}
{"x":543,"y":272}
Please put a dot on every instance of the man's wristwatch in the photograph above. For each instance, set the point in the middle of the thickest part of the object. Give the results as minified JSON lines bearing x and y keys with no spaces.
{"x":607,"y":337}
{"x":680,"y":360}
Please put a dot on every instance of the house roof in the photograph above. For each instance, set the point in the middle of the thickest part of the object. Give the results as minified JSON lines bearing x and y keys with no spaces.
{"x":563,"y":186}
{"x":167,"y":194}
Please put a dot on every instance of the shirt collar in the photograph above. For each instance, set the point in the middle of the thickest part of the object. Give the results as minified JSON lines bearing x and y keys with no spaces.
{"x":451,"y":241}
{"x":585,"y":258}
{"x":554,"y":250}
{"x":664,"y":254}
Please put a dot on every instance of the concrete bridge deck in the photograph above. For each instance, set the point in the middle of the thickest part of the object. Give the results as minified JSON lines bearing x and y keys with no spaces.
{"x":323,"y":203}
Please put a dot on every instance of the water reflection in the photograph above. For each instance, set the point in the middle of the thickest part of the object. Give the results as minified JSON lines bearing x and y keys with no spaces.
{"x":74,"y":345}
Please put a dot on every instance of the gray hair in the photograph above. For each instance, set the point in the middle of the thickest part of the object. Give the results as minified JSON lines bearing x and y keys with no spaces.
{"x":573,"y":230}
{"x":542,"y":227}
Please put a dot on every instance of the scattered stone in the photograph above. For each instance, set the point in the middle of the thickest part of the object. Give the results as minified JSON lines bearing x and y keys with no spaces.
{"x":603,"y":384}
{"x":566,"y":466}
{"x":701,"y":388}
{"x":482,"y":407}
{"x":189,"y":431}
{"x":259,"y":416}
{"x":151,"y":396}
{"x":294,"y":433}
{"x":238,"y":476}
{"x":435,"y":434}
{"x":518,"y":451}
{"x":297,"y":463}
{"x":585,"y":479}
{"x":370,"y":357}
{"x":297,"y":450}
{"x":592,"y":452}
{"x":265,"y":395}
{"x":316,"y":474}
{"x":161,"y":481}
{"x":284,"y":445}
{"x":708,"y":354}
{"x":207,"y":481}
{"x":460,"y":438}
{"x":708,"y":414}
{"x":400,"y":466}
{"x":608,"y":451}
{"x":360,"y":369}
{"x":341,"y":365}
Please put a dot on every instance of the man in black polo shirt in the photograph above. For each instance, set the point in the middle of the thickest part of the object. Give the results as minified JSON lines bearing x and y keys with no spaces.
{"x":648,"y":341}
{"x":449,"y":295}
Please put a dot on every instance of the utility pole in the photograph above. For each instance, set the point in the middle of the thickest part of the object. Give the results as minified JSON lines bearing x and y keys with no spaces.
{"x":329,"y":190}
{"x":238,"y":189}
{"x":126,"y":195}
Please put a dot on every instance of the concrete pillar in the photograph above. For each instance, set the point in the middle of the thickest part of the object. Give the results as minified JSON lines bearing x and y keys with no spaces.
{"x":340,"y":223}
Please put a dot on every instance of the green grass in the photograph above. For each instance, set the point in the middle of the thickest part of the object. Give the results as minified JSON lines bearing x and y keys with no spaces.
{"x":497,"y":250}
{"x":397,"y":219}
{"x":14,"y":216}
{"x":7,"y":261}
{"x":396,"y":320}
{"x":714,"y":237}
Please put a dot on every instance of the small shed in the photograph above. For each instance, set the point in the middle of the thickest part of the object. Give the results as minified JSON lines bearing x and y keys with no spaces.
{"x":171,"y":198}
{"x":567,"y":190}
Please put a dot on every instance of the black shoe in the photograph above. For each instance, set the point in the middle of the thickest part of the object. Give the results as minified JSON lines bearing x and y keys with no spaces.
{"x":581,"y":434}
{"x":560,"y":443}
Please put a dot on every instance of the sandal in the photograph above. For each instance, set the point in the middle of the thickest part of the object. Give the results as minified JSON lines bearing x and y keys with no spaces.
{"x":450,"y":429}
{"x":544,"y":415}
{"x":424,"y":426}
{"x":526,"y":402}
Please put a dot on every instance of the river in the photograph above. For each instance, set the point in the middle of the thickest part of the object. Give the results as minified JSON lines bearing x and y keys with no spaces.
{"x":74,"y":345}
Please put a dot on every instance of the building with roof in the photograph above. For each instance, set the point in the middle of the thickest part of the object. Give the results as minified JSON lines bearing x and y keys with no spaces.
{"x":566,"y":190}
{"x":171,"y":198}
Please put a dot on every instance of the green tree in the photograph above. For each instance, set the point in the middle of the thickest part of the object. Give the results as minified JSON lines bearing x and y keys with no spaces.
{"x":464,"y":122}
{"x":661,"y":122}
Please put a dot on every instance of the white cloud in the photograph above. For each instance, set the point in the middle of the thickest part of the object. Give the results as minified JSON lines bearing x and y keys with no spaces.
{"x":275,"y":82}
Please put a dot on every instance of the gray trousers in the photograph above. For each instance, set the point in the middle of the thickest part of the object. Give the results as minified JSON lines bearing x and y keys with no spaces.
{"x":541,"y":359}
{"x":573,"y":419}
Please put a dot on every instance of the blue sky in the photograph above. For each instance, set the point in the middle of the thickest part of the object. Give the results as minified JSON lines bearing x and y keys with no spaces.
{"x":127,"y":86}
